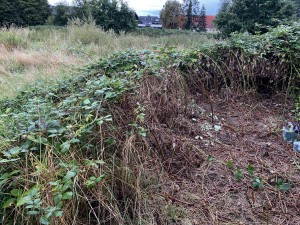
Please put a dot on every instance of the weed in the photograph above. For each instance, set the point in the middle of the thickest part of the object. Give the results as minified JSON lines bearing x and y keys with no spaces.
{"x":239,"y":175}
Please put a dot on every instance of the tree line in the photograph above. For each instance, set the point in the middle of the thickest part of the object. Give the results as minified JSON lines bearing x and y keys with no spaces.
{"x":109,"y":14}
{"x":233,"y":16}
{"x":255,"y":16}
{"x":23,"y":12}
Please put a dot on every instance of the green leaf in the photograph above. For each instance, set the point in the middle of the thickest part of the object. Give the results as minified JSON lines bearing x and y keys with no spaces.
{"x":239,"y":175}
{"x":229,"y":164}
{"x":109,"y":95}
{"x":250,"y":170}
{"x":87,"y":101}
{"x":12,"y":152}
{"x":8,"y":160}
{"x":31,"y":213}
{"x":285,"y":187}
{"x":67,"y":195}
{"x":8,"y":203}
{"x":44,"y":220}
{"x":38,"y":140}
{"x":32,"y":191}
{"x":37,"y":201}
{"x":257,"y":182}
{"x":58,"y":213}
{"x":74,"y":140}
{"x":58,"y":198}
{"x":94,"y":163}
{"x":101,"y":178}
{"x":16,"y":192}
{"x":59,"y":204}
{"x":24,"y":200}
{"x":9,"y":175}
{"x":65,"y":147}
{"x":53,"y":183}
{"x":210,"y":158}
{"x":69,"y":175}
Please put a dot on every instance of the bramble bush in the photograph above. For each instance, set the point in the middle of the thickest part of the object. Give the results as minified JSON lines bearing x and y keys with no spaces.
{"x":58,"y":140}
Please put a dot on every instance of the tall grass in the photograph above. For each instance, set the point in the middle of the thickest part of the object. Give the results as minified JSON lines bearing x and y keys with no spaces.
{"x":31,"y":54}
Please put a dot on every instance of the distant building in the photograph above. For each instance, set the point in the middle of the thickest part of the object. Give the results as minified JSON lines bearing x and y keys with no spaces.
{"x":149,"y":21}
{"x":209,"y":22}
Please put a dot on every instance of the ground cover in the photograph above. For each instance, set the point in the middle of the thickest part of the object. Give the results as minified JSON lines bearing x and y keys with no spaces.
{"x":158,"y":137}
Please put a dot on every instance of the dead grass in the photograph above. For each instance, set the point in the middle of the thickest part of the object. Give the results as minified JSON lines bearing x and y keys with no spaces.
{"x":175,"y":181}
{"x":30,"y":55}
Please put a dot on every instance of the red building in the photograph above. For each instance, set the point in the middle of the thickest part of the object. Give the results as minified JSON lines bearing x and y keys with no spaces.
{"x":209,"y":22}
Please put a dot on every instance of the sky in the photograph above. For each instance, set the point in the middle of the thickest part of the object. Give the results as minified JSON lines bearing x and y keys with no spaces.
{"x":152,"y":7}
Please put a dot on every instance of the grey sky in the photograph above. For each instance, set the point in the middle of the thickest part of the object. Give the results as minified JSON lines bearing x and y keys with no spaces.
{"x":152,"y":7}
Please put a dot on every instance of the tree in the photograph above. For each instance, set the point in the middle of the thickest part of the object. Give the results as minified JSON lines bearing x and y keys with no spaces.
{"x":191,"y":9}
{"x":189,"y":16}
{"x":9,"y":13}
{"x":62,"y":14}
{"x":34,"y":12}
{"x":171,"y":13}
{"x":109,"y":14}
{"x":297,"y":5}
{"x":245,"y":15}
{"x":202,"y":20}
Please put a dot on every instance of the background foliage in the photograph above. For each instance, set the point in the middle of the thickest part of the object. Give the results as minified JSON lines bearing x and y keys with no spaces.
{"x":252,"y":15}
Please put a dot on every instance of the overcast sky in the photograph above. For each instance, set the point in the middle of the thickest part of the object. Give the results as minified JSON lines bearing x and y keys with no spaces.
{"x":152,"y":7}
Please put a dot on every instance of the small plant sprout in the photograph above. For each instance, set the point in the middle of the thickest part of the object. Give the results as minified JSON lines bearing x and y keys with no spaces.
{"x":250,"y":170}
{"x":282,"y":186}
{"x":257,"y":183}
{"x":238,"y":175}
{"x":210,"y":158}
{"x":229,"y":164}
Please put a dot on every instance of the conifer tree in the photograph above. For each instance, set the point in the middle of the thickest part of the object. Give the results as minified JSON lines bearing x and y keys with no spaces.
{"x":252,"y":15}
{"x":202,"y":19}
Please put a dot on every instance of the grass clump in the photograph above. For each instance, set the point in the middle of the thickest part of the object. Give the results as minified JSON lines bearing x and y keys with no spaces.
{"x":12,"y":39}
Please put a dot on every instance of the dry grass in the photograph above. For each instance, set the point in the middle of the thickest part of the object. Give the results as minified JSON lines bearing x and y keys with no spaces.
{"x":194,"y":190}
{"x":29,"y":55}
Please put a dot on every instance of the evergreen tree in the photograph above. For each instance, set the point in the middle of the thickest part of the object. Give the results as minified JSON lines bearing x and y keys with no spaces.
{"x":202,"y":20}
{"x":192,"y":10}
{"x":244,"y":15}
{"x":189,"y":16}
{"x":170,"y":14}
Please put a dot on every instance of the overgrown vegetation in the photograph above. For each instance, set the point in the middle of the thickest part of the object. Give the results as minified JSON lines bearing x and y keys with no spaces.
{"x":93,"y":148}
{"x":43,"y":53}
{"x":253,"y":16}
